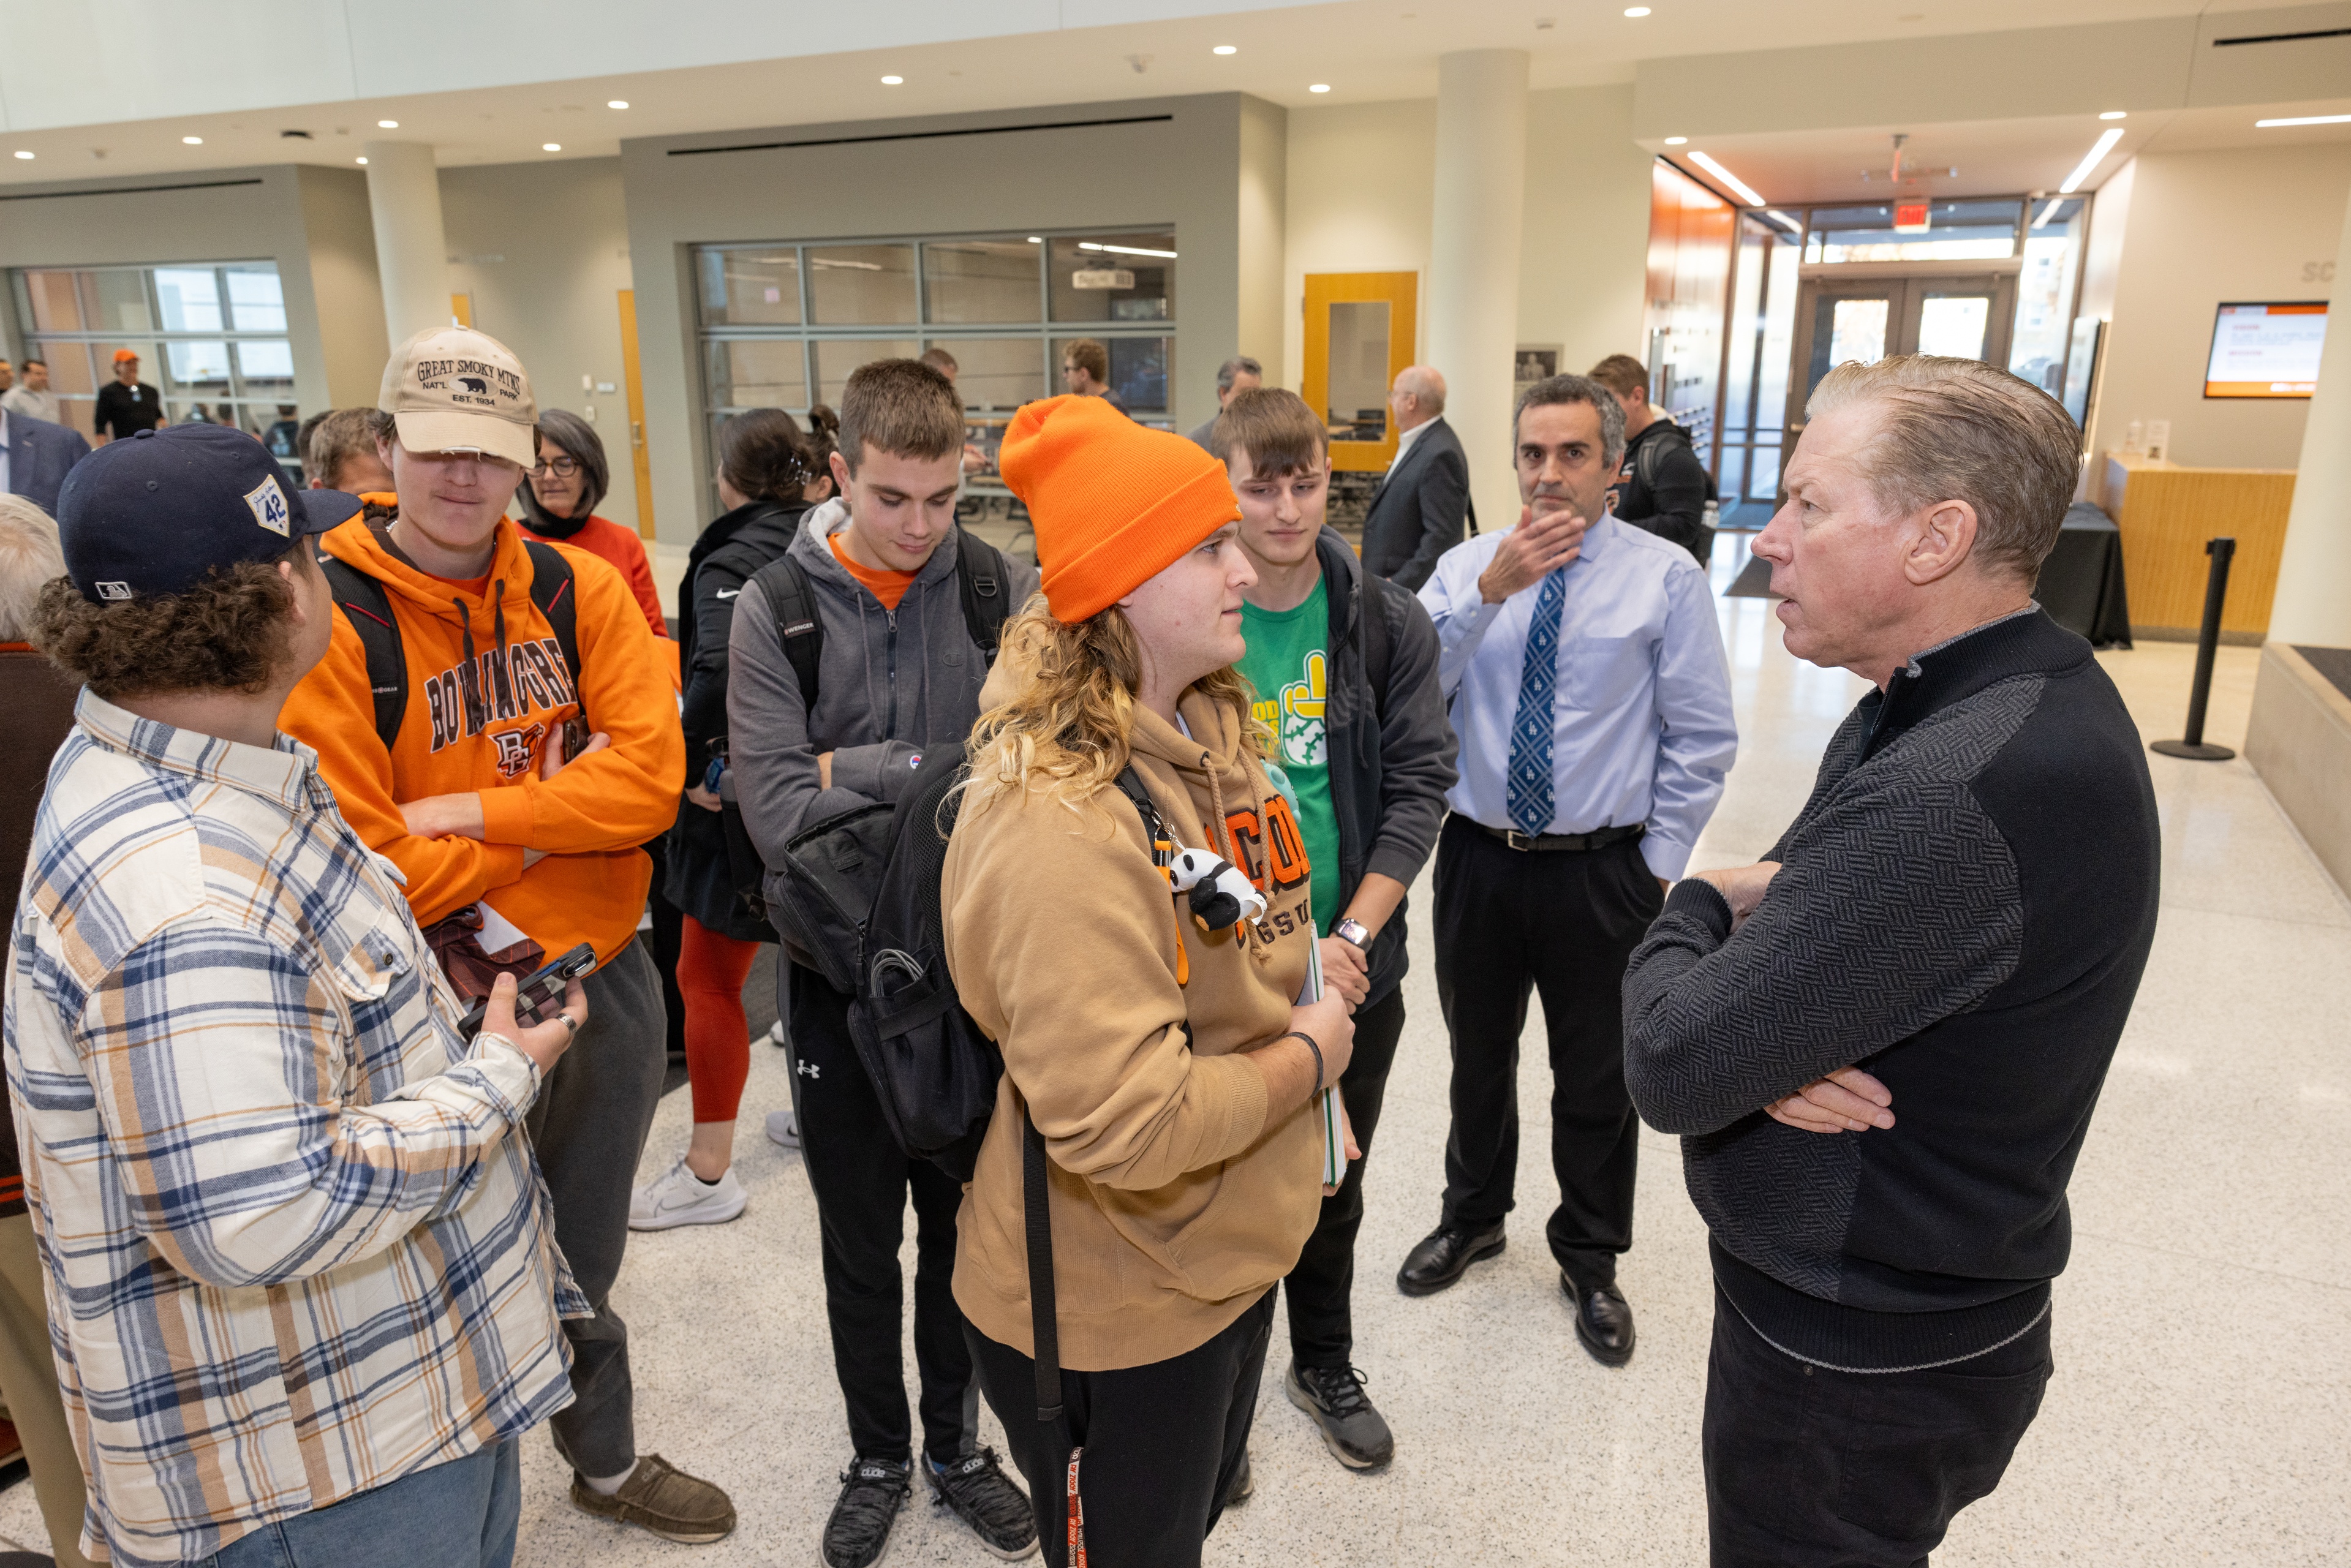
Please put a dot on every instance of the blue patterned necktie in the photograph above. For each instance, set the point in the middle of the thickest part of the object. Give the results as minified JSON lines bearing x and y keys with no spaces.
{"x":1530,"y":731}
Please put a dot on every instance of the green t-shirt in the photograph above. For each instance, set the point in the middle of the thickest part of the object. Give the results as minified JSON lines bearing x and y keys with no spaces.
{"x":1288,"y":662}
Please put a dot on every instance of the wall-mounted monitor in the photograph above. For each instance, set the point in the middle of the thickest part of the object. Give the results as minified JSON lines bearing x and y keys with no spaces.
{"x":2267,"y":349}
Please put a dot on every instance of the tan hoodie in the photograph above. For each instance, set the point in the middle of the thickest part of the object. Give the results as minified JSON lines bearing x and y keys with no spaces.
{"x":1174,"y":1204}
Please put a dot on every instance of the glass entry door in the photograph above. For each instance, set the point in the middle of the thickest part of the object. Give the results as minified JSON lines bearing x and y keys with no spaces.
{"x":1966,"y":316}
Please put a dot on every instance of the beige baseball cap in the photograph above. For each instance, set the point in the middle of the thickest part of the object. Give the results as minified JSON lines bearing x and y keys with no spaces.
{"x":451,"y":389}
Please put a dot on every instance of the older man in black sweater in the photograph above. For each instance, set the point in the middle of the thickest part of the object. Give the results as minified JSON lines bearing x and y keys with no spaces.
{"x":1883,"y":1044}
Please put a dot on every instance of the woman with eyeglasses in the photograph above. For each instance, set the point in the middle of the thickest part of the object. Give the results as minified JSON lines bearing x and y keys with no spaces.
{"x":558,"y":505}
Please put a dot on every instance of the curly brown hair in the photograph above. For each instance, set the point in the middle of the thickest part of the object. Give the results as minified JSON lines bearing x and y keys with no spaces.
{"x":229,"y":633}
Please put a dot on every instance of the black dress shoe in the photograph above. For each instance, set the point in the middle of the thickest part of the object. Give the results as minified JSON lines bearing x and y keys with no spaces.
{"x":1603,"y":1320}
{"x":1443,"y":1255}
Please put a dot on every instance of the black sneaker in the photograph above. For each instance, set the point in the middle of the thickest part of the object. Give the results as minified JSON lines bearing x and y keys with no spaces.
{"x":1356,"y":1435}
{"x":859,"y":1530}
{"x":985,"y":1498}
{"x":1243,"y":1485}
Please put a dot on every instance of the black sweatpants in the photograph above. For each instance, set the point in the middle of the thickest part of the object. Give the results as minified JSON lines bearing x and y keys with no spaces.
{"x":589,"y":1126}
{"x":1319,"y":1291}
{"x":1161,"y":1443}
{"x":1810,"y":1468}
{"x":860,"y":1179}
{"x":1563,"y":923}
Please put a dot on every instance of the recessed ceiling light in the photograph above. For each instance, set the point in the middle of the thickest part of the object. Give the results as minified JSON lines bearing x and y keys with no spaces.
{"x":359,"y":160}
{"x":1728,"y":178}
{"x":616,"y":103}
{"x":1224,"y":49}
{"x":387,"y":125}
{"x":1676,"y":141}
{"x":893,"y":81}
{"x":192,"y":140}
{"x":551,"y":147}
{"x":22,"y":153}
{"x":1320,"y":87}
{"x":2115,"y":114}
{"x":2098,"y":150}
{"x":1637,"y":10}
{"x":2305,"y":120}
{"x":1036,"y":239}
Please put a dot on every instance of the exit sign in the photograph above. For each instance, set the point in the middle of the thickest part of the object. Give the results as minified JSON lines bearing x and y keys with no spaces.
{"x":1910,"y":217}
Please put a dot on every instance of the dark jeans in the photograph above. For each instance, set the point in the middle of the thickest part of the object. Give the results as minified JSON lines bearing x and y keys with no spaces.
{"x":1810,"y":1467}
{"x":1319,"y":1289}
{"x":667,"y":938}
{"x":461,"y":1513}
{"x":589,"y":1126}
{"x":1564,"y":923}
{"x":1160,"y":1443}
{"x":860,"y":1179}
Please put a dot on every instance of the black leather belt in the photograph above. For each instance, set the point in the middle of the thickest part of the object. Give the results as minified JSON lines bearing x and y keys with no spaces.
{"x":1598,"y":839}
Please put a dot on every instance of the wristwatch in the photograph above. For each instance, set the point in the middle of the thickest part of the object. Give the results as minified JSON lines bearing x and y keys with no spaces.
{"x":1350,"y":929}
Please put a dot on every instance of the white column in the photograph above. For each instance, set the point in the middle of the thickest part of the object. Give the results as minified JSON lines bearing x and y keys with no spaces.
{"x":1473,"y":272}
{"x":2314,"y":591}
{"x":411,"y":252}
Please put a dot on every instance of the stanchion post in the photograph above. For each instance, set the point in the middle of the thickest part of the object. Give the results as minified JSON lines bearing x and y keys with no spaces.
{"x":2208,"y":645}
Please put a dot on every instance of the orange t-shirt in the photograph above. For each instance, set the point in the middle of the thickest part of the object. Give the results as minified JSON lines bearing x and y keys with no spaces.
{"x":885,"y":585}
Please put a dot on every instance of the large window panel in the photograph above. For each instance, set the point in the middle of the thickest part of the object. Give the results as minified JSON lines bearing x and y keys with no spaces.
{"x":756,"y":286}
{"x":972,"y":281}
{"x":758,"y":372}
{"x":861,"y":285}
{"x":996,"y":372}
{"x":1113,"y":277}
{"x":836,"y":357}
{"x":265,"y":370}
{"x":256,"y":300}
{"x":189,"y":299}
{"x":1140,"y":369}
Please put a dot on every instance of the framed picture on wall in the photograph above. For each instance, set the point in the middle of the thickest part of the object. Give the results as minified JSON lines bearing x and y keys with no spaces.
{"x":1534,"y":362}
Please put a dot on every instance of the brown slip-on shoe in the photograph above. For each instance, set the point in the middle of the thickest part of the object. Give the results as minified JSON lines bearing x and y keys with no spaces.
{"x":664,"y":1500}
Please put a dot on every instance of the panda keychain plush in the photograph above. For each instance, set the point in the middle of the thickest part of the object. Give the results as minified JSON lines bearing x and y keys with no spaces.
{"x":1221,"y":896}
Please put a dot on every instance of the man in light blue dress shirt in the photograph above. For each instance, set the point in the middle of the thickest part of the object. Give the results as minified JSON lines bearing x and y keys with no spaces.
{"x":1589,"y":689}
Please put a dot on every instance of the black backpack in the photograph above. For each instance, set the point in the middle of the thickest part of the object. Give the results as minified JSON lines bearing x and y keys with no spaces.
{"x":368,"y":607}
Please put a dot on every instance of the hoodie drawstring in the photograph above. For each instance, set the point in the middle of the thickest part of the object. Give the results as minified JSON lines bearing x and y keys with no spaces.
{"x":469,"y":684}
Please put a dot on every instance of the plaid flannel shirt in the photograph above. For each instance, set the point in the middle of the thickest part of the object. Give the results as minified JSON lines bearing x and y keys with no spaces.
{"x":295,"y":1242}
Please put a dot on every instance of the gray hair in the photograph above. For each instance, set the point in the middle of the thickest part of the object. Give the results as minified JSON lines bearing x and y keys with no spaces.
{"x":578,"y":439}
{"x":30,"y":558}
{"x":1961,"y":430}
{"x":1554,"y":389}
{"x":1238,"y":365}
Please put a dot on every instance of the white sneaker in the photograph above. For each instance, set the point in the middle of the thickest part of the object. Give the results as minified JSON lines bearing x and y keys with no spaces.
{"x":774,"y":1035}
{"x":677,"y":1197}
{"x":782,"y":1130}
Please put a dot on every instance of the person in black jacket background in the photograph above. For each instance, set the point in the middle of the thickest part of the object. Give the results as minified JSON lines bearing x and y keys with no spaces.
{"x":1661,"y":486}
{"x":1417,"y":511}
{"x":764,"y":470}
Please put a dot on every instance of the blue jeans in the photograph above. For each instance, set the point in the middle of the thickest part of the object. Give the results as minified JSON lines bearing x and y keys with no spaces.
{"x":461,"y":1514}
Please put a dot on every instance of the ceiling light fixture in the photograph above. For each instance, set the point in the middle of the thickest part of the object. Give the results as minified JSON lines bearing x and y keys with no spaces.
{"x":2050,"y":211}
{"x":893,"y":81}
{"x":551,"y":147}
{"x":1319,"y":87}
{"x":387,"y":125}
{"x":22,"y":153}
{"x":1676,"y":141}
{"x":1728,"y":178}
{"x":2115,"y":114}
{"x":192,"y":140}
{"x":1036,"y":239}
{"x":2098,"y":150}
{"x":2304,"y":119}
{"x":1124,"y":249}
{"x":1224,"y":49}
{"x":358,"y":161}
{"x":616,"y":103}
{"x":1637,"y":10}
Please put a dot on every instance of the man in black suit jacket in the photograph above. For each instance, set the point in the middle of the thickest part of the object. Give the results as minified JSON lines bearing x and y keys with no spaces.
{"x":1416,"y":512}
{"x":40,"y":455}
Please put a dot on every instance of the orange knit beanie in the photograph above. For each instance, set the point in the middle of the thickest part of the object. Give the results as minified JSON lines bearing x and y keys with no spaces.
{"x":1114,"y":503}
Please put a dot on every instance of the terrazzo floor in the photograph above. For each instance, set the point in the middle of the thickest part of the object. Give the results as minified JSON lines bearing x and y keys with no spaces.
{"x":2201,"y":1410}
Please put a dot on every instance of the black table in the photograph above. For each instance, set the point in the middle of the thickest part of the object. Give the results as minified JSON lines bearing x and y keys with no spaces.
{"x":2080,"y":583}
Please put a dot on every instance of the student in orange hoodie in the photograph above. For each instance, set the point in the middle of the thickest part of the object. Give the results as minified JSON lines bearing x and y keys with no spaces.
{"x":517,"y":831}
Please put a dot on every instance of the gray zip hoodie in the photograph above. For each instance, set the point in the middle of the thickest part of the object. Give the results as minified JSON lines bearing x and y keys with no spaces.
{"x":890,"y":686}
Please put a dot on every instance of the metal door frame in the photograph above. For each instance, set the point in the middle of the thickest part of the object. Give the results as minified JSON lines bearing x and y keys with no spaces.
{"x":1909,"y":284}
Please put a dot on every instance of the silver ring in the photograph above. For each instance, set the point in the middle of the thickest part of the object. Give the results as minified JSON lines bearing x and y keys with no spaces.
{"x":567,"y":1021}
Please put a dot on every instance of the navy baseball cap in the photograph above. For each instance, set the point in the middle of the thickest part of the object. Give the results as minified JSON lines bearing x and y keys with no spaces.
{"x":153,"y":513}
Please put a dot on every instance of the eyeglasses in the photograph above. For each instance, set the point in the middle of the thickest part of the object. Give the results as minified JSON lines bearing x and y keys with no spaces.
{"x":561,"y":468}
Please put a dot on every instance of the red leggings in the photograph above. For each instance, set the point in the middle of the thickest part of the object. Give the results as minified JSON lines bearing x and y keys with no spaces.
{"x":711,"y":969}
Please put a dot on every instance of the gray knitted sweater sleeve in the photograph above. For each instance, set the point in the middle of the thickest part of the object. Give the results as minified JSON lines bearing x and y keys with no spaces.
{"x":1896,"y":905}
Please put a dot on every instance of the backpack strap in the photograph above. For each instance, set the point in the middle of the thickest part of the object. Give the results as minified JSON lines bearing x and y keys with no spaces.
{"x":1044,"y":1322}
{"x":800,"y":631}
{"x":1154,"y":827}
{"x":984,"y":580}
{"x":553,"y":590}
{"x":368,"y":608}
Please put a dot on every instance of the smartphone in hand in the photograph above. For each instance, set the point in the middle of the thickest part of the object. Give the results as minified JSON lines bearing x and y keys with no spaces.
{"x":545,"y":987}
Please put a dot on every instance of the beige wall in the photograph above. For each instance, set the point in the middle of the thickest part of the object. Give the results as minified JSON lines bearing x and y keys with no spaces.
{"x":1362,"y":181}
{"x":352,"y":341}
{"x":544,"y":250}
{"x":1264,"y":203}
{"x":2200,"y":229}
